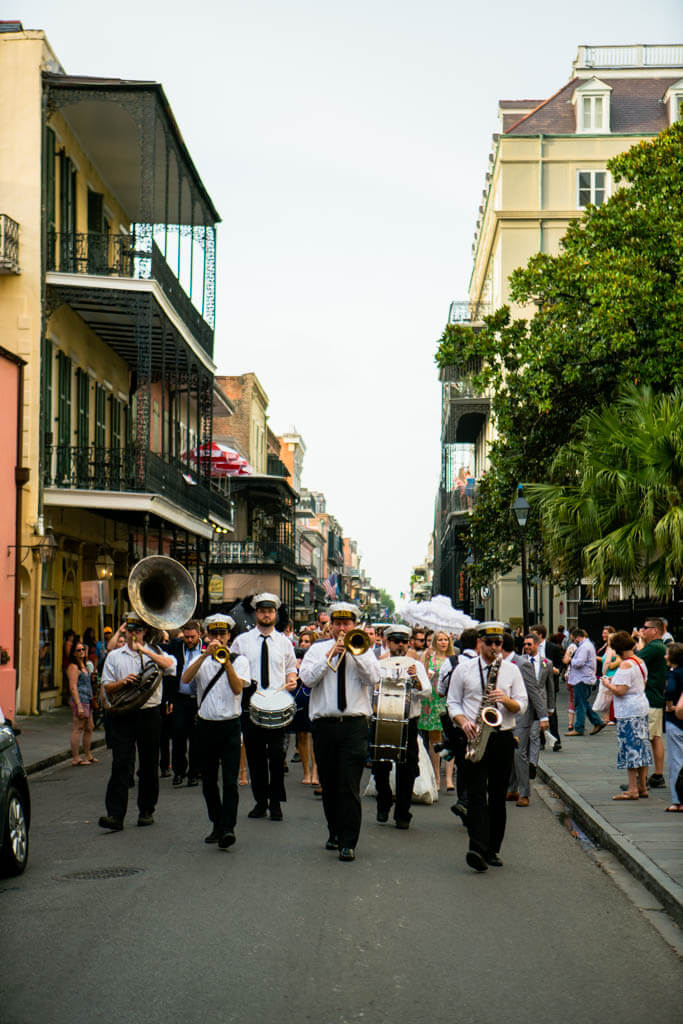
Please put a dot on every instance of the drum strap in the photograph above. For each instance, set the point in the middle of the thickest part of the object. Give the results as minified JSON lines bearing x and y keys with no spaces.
{"x":341,"y":685}
{"x":213,"y":682}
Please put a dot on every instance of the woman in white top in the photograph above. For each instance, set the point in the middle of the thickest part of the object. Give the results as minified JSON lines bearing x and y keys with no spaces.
{"x":631,"y":712}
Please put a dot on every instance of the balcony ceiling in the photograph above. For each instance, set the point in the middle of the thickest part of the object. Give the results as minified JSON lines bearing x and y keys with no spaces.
{"x":128,"y":130}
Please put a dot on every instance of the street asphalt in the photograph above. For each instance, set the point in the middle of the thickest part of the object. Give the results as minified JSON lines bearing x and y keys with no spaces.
{"x":168,"y":929}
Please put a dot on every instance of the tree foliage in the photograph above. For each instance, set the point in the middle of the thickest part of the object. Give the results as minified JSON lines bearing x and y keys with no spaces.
{"x":609,"y":307}
{"x":616,"y":509}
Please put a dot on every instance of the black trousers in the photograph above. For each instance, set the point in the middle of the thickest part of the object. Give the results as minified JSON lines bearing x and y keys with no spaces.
{"x":457,"y":741}
{"x":340,"y":746}
{"x":220,"y":743}
{"x":487,"y":782}
{"x":406,"y":773}
{"x":139,"y":729}
{"x":184,"y":715}
{"x":266,"y":759}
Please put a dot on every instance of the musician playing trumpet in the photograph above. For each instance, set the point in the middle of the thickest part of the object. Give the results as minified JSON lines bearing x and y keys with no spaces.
{"x":487,"y":679}
{"x":139,"y":728}
{"x":217,"y":680}
{"x":398,"y":638}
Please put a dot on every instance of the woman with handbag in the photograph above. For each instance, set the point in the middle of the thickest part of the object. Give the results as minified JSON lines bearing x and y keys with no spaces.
{"x":79,"y":677}
{"x":634,"y":751}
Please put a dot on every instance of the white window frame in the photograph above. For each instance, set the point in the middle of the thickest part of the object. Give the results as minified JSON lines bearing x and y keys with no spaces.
{"x":591,"y":91}
{"x":673,"y":98}
{"x":592,"y":171}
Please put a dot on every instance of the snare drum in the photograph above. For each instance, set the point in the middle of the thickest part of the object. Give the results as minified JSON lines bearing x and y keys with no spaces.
{"x":272,"y":709}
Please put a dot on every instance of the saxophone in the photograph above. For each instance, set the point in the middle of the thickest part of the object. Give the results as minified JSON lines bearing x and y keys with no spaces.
{"x":488,"y":716}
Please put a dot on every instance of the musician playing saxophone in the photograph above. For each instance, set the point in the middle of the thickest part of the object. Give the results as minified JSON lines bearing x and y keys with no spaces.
{"x":487,"y":678}
{"x":139,"y":728}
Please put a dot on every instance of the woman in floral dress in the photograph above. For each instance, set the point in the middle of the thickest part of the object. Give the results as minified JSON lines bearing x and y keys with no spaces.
{"x":432,"y":708}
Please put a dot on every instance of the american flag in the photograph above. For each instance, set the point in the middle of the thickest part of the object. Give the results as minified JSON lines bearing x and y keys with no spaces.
{"x":330,"y":586}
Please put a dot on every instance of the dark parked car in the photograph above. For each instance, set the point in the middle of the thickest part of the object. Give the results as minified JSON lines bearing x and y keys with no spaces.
{"x":15,"y":804}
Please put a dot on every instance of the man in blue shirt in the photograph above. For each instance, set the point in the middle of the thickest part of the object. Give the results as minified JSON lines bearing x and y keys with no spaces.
{"x":581,"y":676}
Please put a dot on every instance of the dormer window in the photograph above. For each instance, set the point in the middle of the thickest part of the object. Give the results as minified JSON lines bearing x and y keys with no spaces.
{"x":592,"y":103}
{"x":673,"y":98}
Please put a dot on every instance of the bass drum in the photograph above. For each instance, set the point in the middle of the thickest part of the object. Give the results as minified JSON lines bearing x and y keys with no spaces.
{"x":391,"y":711}
{"x":272,"y":709}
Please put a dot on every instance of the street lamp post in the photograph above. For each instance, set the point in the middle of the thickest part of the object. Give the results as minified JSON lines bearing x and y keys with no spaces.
{"x":520,"y":507}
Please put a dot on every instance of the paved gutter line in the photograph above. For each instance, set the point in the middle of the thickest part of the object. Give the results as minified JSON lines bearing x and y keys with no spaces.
{"x":667,"y":891}
{"x":48,"y":762}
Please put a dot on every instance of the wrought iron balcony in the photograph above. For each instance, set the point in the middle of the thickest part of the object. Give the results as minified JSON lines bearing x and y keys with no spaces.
{"x":124,"y":470}
{"x":129,"y":256}
{"x":459,"y":501}
{"x":464,"y":312}
{"x":252,"y":554}
{"x":9,"y":245}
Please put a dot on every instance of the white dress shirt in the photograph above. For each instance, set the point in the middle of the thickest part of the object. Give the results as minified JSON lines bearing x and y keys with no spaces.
{"x":281,"y":657}
{"x":416,"y":696}
{"x":189,"y":655}
{"x":221,"y":703}
{"x":465,"y":690}
{"x":362,"y":674}
{"x":121,"y":662}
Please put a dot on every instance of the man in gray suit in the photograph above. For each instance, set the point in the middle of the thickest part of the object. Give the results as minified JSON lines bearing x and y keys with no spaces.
{"x":537,"y":711}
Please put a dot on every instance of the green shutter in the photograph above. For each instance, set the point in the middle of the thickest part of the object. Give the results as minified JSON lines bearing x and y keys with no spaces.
{"x":63,"y":416}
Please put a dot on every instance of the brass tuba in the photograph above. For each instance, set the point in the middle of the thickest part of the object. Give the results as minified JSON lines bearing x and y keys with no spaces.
{"x":164,"y":595}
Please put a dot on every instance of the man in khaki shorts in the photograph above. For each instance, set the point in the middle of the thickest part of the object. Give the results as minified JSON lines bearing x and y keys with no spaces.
{"x":652,"y":649}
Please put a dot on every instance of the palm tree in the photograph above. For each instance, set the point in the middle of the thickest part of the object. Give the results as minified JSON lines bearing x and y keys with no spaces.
{"x":614,"y":507}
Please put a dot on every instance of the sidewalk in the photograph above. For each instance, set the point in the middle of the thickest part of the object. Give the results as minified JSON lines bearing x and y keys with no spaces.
{"x":583,"y":774}
{"x":45,"y":739}
{"x":639,"y":833}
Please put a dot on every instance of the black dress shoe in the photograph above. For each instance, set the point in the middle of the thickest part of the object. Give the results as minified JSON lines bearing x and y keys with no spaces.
{"x":382,"y":816}
{"x":494,"y":861}
{"x":532,"y":771}
{"x":165,"y":773}
{"x":460,"y":810}
{"x":177,"y":780}
{"x":557,"y":746}
{"x":113,"y":824}
{"x":332,"y":844}
{"x":276,"y":813}
{"x":213,"y":836}
{"x":226,"y":840}
{"x":192,"y":781}
{"x":403,"y":823}
{"x":656,"y":781}
{"x":346,"y":853}
{"x":145,"y":819}
{"x":259,"y":811}
{"x":476,"y":861}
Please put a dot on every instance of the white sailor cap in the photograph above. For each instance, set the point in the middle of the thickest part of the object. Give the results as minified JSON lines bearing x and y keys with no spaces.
{"x":344,"y":610}
{"x":397,"y":631}
{"x":219,"y":623}
{"x":491,"y":628}
{"x":266,"y":601}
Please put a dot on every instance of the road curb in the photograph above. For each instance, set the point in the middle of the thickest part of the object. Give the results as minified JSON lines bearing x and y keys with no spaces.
{"x":667,"y":891}
{"x":63,"y":755}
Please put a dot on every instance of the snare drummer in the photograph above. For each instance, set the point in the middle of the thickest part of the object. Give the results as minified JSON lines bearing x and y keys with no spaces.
{"x":340,"y":709}
{"x":272,"y":666}
{"x":398,"y":638}
{"x":218,"y":686}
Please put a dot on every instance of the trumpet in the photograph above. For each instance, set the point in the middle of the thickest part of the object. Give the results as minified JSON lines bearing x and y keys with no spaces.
{"x":221,"y":655}
{"x":356,"y":642}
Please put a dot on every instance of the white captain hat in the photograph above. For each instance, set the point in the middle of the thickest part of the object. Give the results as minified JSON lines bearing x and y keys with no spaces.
{"x":491,"y":628}
{"x":266,"y":601}
{"x":397,"y":631}
{"x":219,"y":623}
{"x":344,"y":610}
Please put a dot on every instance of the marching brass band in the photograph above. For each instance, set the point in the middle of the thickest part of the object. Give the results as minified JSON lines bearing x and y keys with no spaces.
{"x":364,"y":708}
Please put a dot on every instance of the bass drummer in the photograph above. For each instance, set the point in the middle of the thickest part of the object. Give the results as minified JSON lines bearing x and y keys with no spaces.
{"x":217,"y":681}
{"x":272,"y":666}
{"x":398,"y":638}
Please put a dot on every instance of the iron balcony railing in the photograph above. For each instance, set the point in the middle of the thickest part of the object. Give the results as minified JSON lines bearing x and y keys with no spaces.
{"x":130,"y":469}
{"x":464,"y":312}
{"x":459,"y":500}
{"x":103,"y":254}
{"x":252,"y":553}
{"x":9,"y":245}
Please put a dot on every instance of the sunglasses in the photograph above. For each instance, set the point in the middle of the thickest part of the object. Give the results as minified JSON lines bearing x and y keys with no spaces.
{"x":490,"y":641}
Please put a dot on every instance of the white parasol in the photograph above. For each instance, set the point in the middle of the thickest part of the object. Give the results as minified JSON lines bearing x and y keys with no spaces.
{"x":438,"y":613}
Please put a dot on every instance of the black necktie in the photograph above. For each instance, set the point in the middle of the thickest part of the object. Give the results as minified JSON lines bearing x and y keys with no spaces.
{"x":265,"y":667}
{"x":341,"y":685}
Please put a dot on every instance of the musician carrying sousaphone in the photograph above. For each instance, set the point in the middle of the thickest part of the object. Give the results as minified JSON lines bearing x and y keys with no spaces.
{"x":412,"y":676}
{"x":484,"y":695}
{"x":135,"y":720}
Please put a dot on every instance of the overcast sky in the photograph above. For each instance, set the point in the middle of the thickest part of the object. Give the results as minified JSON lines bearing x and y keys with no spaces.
{"x":345,"y":147}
